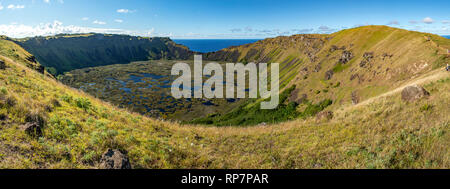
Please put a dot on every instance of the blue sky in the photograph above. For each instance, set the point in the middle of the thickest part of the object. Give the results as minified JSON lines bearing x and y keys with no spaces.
{"x":217,"y":18}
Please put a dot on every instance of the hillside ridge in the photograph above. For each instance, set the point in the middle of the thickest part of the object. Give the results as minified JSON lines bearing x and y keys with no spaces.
{"x":78,"y":129}
{"x":62,"y":53}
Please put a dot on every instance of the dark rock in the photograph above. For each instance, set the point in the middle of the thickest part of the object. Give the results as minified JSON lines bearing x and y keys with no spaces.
{"x":386,"y":55}
{"x":114,"y":159}
{"x":33,"y":129}
{"x":368,"y":56}
{"x":55,"y":103}
{"x":40,"y":69}
{"x":355,"y":98}
{"x":354,"y":76}
{"x":198,"y":137}
{"x":413,"y":93}
{"x":346,"y":57}
{"x":10,"y":101}
{"x":333,"y":48}
{"x":294,"y":97}
{"x":363,"y":63}
{"x":35,"y":118}
{"x":317,"y":68}
{"x":2,"y":65}
{"x":329,"y":74}
{"x":32,"y":59}
{"x":3,"y":117}
{"x":325,"y":115}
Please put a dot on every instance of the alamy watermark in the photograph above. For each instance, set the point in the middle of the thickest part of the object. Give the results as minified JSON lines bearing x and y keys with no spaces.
{"x":213,"y":87}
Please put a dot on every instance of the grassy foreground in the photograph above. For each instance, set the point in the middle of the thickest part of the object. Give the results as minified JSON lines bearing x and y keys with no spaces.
{"x":387,"y":133}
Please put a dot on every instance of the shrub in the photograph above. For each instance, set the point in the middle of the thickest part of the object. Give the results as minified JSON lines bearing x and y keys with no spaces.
{"x":244,"y":115}
{"x":3,"y":90}
{"x":62,"y":128}
{"x":66,"y":98}
{"x":10,"y":101}
{"x":35,"y":116}
{"x":426,"y":108}
{"x":83,"y":103}
{"x":313,"y":109}
{"x":55,"y":103}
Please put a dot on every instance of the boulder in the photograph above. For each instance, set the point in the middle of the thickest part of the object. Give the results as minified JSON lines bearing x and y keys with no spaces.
{"x":346,"y":57}
{"x":355,"y":98}
{"x":333,"y":48}
{"x":2,"y":65}
{"x":325,"y":115}
{"x":114,"y":159}
{"x":367,"y":58}
{"x":329,"y":74}
{"x":413,"y":93}
{"x":3,"y":117}
{"x":317,"y":68}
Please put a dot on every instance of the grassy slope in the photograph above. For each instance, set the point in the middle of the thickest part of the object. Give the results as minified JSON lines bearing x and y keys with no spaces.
{"x":413,"y":54}
{"x":387,"y":133}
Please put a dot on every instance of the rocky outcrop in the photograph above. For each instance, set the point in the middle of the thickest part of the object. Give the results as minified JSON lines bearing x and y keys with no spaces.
{"x":355,"y":98}
{"x":367,"y":58}
{"x":325,"y":115}
{"x":346,"y":57}
{"x":296,"y":97}
{"x":333,"y":48}
{"x":34,"y":124}
{"x":2,"y":65}
{"x":317,"y":68}
{"x":413,"y":93}
{"x":114,"y":159}
{"x":386,"y":56}
{"x":329,"y":74}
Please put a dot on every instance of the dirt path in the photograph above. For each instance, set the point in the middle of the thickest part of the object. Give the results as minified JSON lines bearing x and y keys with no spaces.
{"x":431,"y":76}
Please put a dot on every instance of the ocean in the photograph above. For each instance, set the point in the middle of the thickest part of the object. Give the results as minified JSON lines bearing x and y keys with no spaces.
{"x":212,"y":45}
{"x":447,"y":36}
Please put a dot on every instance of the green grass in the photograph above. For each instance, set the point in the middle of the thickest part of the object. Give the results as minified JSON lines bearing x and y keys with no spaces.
{"x":251,"y":114}
{"x":387,"y":133}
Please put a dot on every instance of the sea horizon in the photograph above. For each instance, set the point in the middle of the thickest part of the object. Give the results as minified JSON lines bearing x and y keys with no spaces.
{"x":212,"y":45}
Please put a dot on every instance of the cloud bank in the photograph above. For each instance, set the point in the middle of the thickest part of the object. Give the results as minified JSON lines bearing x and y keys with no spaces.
{"x":57,"y":27}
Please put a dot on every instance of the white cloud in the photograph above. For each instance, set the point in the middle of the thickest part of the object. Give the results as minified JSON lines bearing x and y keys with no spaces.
{"x":150,"y":33}
{"x":57,"y":27}
{"x":118,"y":20}
{"x":1,"y":7}
{"x":124,"y":11}
{"x":99,"y":22}
{"x":394,"y":22}
{"x":427,"y":20}
{"x":236,"y":30}
{"x":85,"y":18}
{"x":48,"y":1}
{"x":445,"y":21}
{"x":14,"y":7}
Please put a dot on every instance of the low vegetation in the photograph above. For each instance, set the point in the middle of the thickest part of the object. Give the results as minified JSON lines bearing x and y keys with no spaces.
{"x":251,"y":113}
{"x":378,"y":132}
